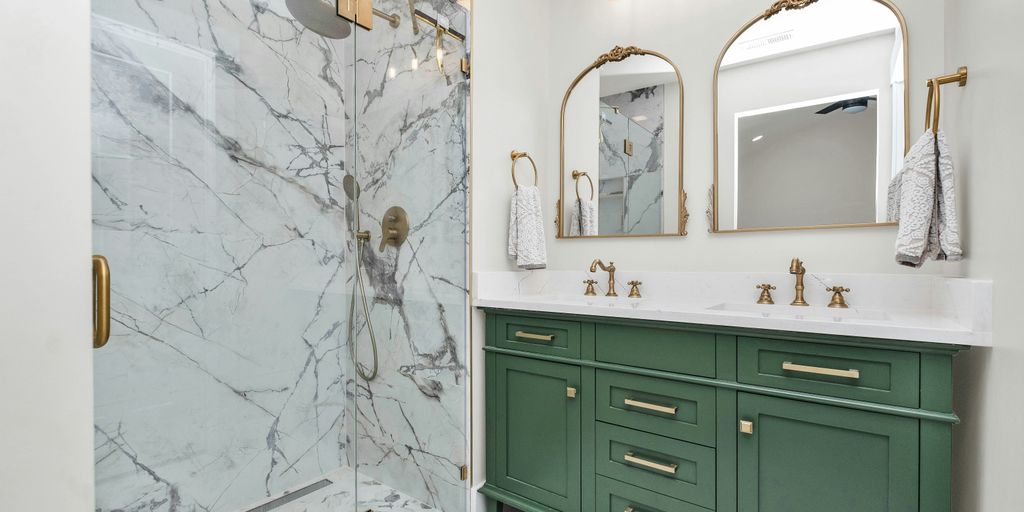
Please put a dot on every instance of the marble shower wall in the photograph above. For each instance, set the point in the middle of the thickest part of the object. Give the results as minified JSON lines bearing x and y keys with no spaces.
{"x":411,"y":129}
{"x":219,"y":148}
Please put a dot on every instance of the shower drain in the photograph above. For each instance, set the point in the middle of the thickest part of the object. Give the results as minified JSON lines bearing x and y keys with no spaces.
{"x":292,"y":496}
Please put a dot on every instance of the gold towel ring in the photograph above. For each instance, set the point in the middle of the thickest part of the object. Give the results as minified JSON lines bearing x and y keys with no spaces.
{"x":516,"y":155}
{"x":576,"y":174}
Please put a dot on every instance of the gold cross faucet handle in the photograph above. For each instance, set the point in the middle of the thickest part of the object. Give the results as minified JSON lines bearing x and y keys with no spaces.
{"x":590,"y":288}
{"x":838,"y":301}
{"x":634,"y":291}
{"x":766,"y":294}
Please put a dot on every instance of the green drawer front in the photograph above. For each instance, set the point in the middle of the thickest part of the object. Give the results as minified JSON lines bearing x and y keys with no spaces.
{"x":657,"y":349}
{"x":691,"y":480}
{"x":539,"y":335}
{"x":881,"y":376}
{"x":640,"y":402}
{"x":615,"y":496}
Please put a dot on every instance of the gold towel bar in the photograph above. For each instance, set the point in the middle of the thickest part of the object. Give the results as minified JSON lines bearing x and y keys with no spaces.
{"x":516,"y":155}
{"x":931,"y":117}
{"x":576,"y":175}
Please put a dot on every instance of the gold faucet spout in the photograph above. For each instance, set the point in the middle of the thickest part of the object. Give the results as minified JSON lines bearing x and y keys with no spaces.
{"x":610,"y":268}
{"x":796,"y":267}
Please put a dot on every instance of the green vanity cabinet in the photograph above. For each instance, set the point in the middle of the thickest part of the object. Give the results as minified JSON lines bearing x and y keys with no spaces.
{"x":590,"y":413}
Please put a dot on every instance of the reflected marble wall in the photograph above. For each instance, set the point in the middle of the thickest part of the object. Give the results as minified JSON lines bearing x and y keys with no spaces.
{"x":411,"y":152}
{"x":220,"y":142}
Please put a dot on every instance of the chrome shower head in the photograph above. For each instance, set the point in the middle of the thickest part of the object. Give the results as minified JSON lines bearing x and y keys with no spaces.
{"x":321,"y":17}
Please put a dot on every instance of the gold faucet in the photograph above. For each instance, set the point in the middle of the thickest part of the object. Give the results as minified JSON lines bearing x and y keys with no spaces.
{"x":838,"y":301}
{"x":796,"y":267}
{"x":610,"y":268}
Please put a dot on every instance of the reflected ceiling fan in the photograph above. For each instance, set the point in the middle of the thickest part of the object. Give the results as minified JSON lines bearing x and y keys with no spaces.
{"x":850,"y":106}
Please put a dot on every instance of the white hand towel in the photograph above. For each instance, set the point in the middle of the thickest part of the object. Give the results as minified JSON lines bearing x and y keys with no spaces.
{"x":526,"y":229}
{"x":583,"y":218}
{"x":922,"y":198}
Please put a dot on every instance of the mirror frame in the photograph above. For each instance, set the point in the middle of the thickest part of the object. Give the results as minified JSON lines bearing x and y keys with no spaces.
{"x":776,"y":8}
{"x":619,"y":54}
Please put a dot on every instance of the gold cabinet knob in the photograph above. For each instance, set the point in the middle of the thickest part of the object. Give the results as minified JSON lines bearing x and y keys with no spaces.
{"x":746,"y":427}
{"x":570,"y":392}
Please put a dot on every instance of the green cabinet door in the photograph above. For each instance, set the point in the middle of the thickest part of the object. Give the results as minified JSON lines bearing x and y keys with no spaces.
{"x":804,"y":457}
{"x":537,"y":431}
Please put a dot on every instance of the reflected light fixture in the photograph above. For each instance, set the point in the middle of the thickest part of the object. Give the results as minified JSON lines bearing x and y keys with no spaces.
{"x":757,"y":139}
{"x":439,"y":49}
{"x":415,"y":64}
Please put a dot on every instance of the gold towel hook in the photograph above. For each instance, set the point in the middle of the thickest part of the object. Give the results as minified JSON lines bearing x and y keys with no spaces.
{"x":516,"y":155}
{"x":576,"y":174}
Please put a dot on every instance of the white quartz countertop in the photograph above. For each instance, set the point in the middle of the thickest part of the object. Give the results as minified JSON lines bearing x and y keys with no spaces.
{"x":948,"y":311}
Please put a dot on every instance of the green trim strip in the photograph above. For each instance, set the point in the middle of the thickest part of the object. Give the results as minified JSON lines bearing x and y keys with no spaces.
{"x":834,"y":339}
{"x":921,"y":414}
{"x":515,"y":500}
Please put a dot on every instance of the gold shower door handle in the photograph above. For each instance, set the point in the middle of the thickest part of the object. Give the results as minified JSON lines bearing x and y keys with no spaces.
{"x":816,"y":370}
{"x":101,"y":301}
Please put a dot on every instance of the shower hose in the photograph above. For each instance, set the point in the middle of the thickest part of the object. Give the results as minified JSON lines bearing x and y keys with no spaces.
{"x":372,"y":374}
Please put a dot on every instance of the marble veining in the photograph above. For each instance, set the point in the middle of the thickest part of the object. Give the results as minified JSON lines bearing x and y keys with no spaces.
{"x":222,"y":131}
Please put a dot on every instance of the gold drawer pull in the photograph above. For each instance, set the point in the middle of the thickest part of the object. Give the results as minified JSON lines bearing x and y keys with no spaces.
{"x":532,"y":336}
{"x":849,"y":374}
{"x":664,"y":468}
{"x":651,"y":407}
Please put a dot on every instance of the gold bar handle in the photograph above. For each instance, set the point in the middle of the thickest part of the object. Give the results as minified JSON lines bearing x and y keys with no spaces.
{"x":664,"y":468}
{"x":101,"y":301}
{"x":532,"y":336}
{"x":651,"y":407}
{"x":816,"y":370}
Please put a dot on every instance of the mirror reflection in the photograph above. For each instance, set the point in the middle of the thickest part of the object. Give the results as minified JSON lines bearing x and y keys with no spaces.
{"x":621,"y":144}
{"x":811,"y":117}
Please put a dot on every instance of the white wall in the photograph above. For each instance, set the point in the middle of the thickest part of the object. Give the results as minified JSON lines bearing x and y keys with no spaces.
{"x":509,"y":77}
{"x":45,"y":352}
{"x":516,"y":104}
{"x":982,"y":121}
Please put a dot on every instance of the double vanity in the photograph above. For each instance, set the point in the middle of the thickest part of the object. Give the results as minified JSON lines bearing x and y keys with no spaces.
{"x":696,"y":398}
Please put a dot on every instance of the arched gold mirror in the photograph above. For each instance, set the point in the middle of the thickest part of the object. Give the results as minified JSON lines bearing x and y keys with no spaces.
{"x":621,"y":148}
{"x":811,"y":108}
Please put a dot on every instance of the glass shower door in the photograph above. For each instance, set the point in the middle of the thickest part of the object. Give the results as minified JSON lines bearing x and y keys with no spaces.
{"x":411,"y":424}
{"x":221,"y":140}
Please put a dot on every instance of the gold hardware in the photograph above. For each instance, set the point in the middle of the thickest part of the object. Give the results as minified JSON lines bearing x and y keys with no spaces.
{"x":363,"y":236}
{"x":570,"y":392}
{"x":532,"y":336}
{"x":610,"y":268}
{"x":464,"y":66}
{"x":664,"y":468}
{"x":634,"y":291}
{"x":101,"y":301}
{"x":358,"y":11}
{"x":746,"y":427}
{"x":464,"y":473}
{"x":615,"y":55}
{"x":576,"y":175}
{"x":394,"y":227}
{"x":775,"y":8}
{"x":591,"y":292}
{"x":796,"y":267}
{"x":817,"y":370}
{"x":627,"y":147}
{"x":516,"y":155}
{"x":931,"y":118}
{"x":429,"y":20}
{"x":650,"y":407}
{"x":838,"y":301}
{"x":766,"y":294}
{"x":393,"y":19}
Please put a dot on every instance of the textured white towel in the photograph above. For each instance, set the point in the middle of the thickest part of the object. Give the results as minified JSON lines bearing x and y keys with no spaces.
{"x":526,"y":229}
{"x":922,"y":198}
{"x":583,"y":218}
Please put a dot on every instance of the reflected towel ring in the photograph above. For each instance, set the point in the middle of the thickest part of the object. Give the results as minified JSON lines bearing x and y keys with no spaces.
{"x":576,"y":174}
{"x":516,"y":155}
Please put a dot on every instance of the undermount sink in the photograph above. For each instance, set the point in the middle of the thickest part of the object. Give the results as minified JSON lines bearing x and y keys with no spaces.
{"x":801,"y":312}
